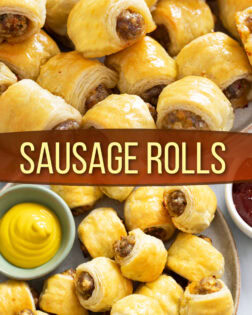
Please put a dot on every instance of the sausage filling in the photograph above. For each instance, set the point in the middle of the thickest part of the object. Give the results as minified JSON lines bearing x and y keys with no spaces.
{"x":237,"y":93}
{"x":85,"y":285}
{"x":205,"y":286}
{"x":161,"y":34}
{"x":125,"y":246}
{"x":3,"y":88}
{"x":183,"y":119}
{"x":97,"y":95}
{"x":130,"y":25}
{"x":175,"y":203}
{"x":68,"y":125}
{"x":152,"y":94}
{"x":157,"y":232}
{"x":26,"y":312}
{"x":13,"y":25}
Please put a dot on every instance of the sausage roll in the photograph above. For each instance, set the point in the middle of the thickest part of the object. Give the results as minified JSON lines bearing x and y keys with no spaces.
{"x":88,"y":82}
{"x":25,"y":106}
{"x":30,"y":312}
{"x":192,"y":208}
{"x":151,"y":3}
{"x":118,"y":112}
{"x":142,"y":257}
{"x":194,"y":103}
{"x":19,"y":20}
{"x":166,"y":291}
{"x":15,"y":296}
{"x":209,"y":296}
{"x":7,"y":78}
{"x":144,"y":69}
{"x":194,"y":258}
{"x":221,"y":59}
{"x":25,"y":58}
{"x":119,"y":193}
{"x":178,"y":23}
{"x":79,"y":198}
{"x":99,"y":284}
{"x":99,"y":28}
{"x":144,"y":209}
{"x":59,"y":297}
{"x":137,"y":304}
{"x":99,"y":231}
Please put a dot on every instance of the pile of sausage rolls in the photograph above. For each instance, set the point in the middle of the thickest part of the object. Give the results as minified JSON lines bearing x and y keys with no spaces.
{"x":154,"y":261}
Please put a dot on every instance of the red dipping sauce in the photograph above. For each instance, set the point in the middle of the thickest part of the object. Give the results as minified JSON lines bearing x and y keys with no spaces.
{"x":242,"y":196}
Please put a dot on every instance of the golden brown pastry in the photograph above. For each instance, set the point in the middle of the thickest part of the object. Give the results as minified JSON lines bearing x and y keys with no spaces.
{"x":144,"y":69}
{"x":194,"y":258}
{"x":19,"y":20}
{"x":209,"y":296}
{"x":99,"y":284}
{"x":192,"y":208}
{"x":142,"y":257}
{"x":194,"y":103}
{"x":151,"y":3}
{"x":25,"y":106}
{"x":7,"y":78}
{"x":25,"y":58}
{"x":166,"y":291}
{"x":180,"y":21}
{"x":118,"y":112}
{"x":119,"y":193}
{"x":99,"y":231}
{"x":59,"y":297}
{"x":81,"y":82}
{"x":30,"y":312}
{"x":144,"y":209}
{"x":99,"y":28}
{"x":221,"y":59}
{"x":79,"y":198}
{"x":137,"y":304}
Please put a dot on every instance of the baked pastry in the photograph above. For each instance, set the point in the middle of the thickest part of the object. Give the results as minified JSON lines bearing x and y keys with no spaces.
{"x":151,"y":3}
{"x":15,"y":296}
{"x":192,"y":208}
{"x":137,"y":304}
{"x":87,"y":83}
{"x":194,"y":103}
{"x":79,"y":198}
{"x":99,"y":231}
{"x":209,"y":296}
{"x":144,"y":209}
{"x":119,"y":193}
{"x":118,"y":112}
{"x":194,"y":258}
{"x":166,"y":291}
{"x":221,"y":59}
{"x":99,"y":284}
{"x":25,"y":58}
{"x":30,"y":312}
{"x":19,"y":20}
{"x":181,"y":21}
{"x":25,"y":106}
{"x":7,"y":78}
{"x":144,"y":69}
{"x":59,"y":297}
{"x":99,"y":28}
{"x":142,"y":257}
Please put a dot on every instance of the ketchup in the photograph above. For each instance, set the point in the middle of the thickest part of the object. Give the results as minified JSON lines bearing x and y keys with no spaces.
{"x":242,"y":196}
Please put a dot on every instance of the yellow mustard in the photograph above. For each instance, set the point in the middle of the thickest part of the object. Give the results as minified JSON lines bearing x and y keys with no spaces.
{"x":30,"y":235}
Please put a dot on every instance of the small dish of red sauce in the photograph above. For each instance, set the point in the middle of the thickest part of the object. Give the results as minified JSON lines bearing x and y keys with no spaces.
{"x":242,"y":197}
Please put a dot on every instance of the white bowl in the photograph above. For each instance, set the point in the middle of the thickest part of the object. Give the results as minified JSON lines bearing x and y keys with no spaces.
{"x":242,"y":225}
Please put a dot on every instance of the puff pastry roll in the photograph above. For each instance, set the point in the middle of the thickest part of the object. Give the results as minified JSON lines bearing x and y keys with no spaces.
{"x":194,"y":258}
{"x":99,"y":231}
{"x":221,"y":59}
{"x":209,"y":296}
{"x":194,"y":103}
{"x":79,"y":198}
{"x":144,"y":209}
{"x":119,"y":193}
{"x":118,"y":112}
{"x":88,"y":82}
{"x":25,"y":58}
{"x":137,"y":304}
{"x":59,"y":297}
{"x":192,"y":208}
{"x":19,"y":20}
{"x":99,"y":28}
{"x":178,"y":24}
{"x":99,"y":284}
{"x":15,"y":296}
{"x":142,"y":257}
{"x":25,"y":106}
{"x":30,"y":312}
{"x":166,"y":291}
{"x":7,"y":78}
{"x":144,"y":69}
